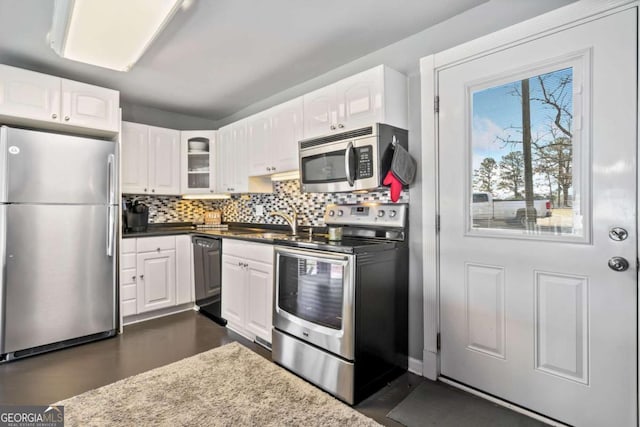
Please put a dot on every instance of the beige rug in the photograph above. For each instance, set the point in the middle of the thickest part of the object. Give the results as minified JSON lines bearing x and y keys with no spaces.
{"x":226,"y":386}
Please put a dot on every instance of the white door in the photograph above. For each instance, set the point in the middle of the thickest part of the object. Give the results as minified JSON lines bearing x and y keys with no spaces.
{"x":164,"y":161}
{"x":28,"y":94}
{"x":135,"y":158}
{"x":259,"y":141}
{"x":360,"y":99}
{"x":157,"y":280}
{"x":320,"y":112}
{"x":533,"y":314}
{"x":90,"y":106}
{"x":285,"y":134}
{"x":234,"y":277}
{"x":239,"y":155}
{"x":259,"y":299}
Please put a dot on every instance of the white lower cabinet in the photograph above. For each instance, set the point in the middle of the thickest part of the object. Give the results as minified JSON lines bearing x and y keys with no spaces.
{"x":247,"y":288}
{"x":155,"y":273}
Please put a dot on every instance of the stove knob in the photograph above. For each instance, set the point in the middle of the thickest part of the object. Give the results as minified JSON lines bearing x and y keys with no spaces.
{"x":380,"y":214}
{"x":332,"y":213}
{"x":392,"y":213}
{"x":340,"y":213}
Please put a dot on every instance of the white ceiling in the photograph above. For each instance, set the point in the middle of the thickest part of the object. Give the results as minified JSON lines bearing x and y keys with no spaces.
{"x":219,"y":56}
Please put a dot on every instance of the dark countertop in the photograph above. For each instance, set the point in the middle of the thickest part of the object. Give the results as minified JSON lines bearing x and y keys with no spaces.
{"x":269,"y":234}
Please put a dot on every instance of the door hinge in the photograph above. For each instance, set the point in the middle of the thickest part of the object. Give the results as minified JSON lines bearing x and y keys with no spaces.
{"x":437,"y":223}
{"x":436,"y":104}
{"x":438,"y":341}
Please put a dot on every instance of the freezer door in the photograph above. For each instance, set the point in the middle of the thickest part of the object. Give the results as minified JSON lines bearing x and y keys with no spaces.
{"x":41,"y":167}
{"x":59,"y":281}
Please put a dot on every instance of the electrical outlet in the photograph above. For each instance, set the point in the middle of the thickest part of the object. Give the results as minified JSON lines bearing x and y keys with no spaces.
{"x":259,"y":210}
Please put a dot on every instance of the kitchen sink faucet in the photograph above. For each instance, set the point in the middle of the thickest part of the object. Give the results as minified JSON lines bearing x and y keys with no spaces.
{"x":292,"y":219}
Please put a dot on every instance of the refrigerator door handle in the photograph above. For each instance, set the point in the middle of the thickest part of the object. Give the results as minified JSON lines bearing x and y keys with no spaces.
{"x":111,"y":177}
{"x":111,"y":225}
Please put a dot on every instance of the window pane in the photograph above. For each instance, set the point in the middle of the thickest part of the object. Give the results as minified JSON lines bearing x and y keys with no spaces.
{"x":522,"y":149}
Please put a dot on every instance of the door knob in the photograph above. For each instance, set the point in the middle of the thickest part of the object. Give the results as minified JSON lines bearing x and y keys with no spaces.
{"x":618,"y":263}
{"x":54,"y":116}
{"x":66,"y":118}
{"x":332,"y":127}
{"x":142,"y":277}
{"x":618,"y":234}
{"x":341,"y":126}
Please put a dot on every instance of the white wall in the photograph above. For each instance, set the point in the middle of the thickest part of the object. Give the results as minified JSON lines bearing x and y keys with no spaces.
{"x":404,"y":56}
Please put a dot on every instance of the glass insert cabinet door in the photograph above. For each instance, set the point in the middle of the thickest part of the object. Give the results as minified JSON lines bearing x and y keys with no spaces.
{"x":529,"y":172}
{"x":312,"y":289}
{"x":198,"y":163}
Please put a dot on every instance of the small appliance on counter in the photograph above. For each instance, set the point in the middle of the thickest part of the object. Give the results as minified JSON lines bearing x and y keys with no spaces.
{"x":137,"y":216}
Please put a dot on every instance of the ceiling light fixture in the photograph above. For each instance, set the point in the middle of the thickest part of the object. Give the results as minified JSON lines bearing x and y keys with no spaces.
{"x":108,"y":33}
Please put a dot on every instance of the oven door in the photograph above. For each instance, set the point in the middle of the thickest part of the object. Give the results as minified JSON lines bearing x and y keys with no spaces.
{"x":314,"y":298}
{"x":346,"y":165}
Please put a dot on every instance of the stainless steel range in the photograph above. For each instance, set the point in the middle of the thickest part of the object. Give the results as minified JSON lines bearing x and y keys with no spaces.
{"x":340,"y":307}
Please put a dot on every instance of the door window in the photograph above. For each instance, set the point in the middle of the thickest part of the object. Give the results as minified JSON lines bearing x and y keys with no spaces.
{"x":326,"y":167}
{"x":527,"y":155}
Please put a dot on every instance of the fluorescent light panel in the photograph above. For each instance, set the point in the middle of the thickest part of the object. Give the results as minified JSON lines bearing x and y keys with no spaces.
{"x":285,"y":176}
{"x":205,"y":196}
{"x":109,"y":33}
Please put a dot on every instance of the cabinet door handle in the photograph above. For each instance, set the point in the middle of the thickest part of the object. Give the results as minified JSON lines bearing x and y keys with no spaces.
{"x":153,"y":190}
{"x":341,"y":126}
{"x":142,"y":277}
{"x":273,"y":168}
{"x":158,"y":249}
{"x":145,"y":190}
{"x":133,"y":278}
{"x":54,"y":116}
{"x":239,"y":264}
{"x":66,"y":118}
{"x":332,"y":127}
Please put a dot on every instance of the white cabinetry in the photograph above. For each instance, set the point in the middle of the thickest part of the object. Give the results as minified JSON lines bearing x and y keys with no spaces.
{"x":150,"y":159}
{"x":273,"y":138}
{"x":155,"y":273}
{"x":198,"y":166}
{"x":31,"y":98}
{"x":375,"y":95}
{"x":247,"y":288}
{"x":232,"y":158}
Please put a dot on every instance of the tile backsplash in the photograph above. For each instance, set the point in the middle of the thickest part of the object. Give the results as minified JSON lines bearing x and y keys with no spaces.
{"x":242,"y":208}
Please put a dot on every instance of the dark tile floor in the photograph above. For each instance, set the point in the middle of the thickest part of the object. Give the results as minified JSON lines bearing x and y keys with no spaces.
{"x":50,"y":377}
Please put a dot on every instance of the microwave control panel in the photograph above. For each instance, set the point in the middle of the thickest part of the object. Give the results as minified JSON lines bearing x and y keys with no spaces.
{"x":364,"y":157}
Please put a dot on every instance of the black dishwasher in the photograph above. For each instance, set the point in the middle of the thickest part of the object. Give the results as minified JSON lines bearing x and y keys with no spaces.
{"x":207,"y":262}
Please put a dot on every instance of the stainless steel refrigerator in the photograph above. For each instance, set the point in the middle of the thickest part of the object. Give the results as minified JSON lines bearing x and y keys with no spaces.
{"x":58,"y":219}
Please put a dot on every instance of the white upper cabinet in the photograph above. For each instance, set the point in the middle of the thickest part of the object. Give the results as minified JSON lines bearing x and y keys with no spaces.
{"x":286,"y":125}
{"x":233,"y":152}
{"x":164,"y":161}
{"x":375,"y":95}
{"x":90,"y":106}
{"x":35,"y":99}
{"x":273,"y":138}
{"x":30,"y":95}
{"x":150,"y":159}
{"x":134,"y":158}
{"x":260,"y":143}
{"x":198,"y":165}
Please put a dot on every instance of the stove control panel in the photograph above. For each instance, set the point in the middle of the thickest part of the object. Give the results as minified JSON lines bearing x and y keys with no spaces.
{"x":367,"y":214}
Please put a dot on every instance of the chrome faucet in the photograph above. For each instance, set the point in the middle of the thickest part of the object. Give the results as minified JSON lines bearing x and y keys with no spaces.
{"x":292,"y":219}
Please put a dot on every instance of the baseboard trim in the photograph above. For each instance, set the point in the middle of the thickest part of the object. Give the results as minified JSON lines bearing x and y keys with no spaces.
{"x":137,"y":318}
{"x":415,"y":366}
{"x":503,"y":403}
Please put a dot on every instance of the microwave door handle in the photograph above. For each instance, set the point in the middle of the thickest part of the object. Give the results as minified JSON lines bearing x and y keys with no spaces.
{"x":347,"y":163}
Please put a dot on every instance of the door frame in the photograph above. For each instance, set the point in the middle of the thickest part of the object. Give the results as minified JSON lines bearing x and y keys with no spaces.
{"x":552,"y":22}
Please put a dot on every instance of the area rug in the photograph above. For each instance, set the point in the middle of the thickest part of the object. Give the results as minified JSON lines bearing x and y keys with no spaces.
{"x":226,"y":386}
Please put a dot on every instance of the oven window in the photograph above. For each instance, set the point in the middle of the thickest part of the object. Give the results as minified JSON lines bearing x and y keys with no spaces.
{"x":325,"y":167}
{"x":311,"y":290}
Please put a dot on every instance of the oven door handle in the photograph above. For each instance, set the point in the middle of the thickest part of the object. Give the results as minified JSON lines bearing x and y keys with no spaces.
{"x":347,"y":163}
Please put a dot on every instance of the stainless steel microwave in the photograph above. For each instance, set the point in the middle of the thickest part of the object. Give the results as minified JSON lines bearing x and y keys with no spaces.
{"x":353,"y":160}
